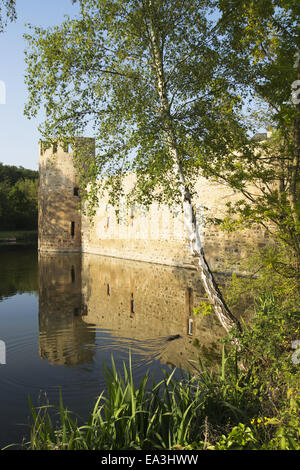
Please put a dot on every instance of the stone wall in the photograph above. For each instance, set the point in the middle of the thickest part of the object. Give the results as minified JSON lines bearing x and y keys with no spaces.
{"x":156,"y":235}
{"x":59,"y":217}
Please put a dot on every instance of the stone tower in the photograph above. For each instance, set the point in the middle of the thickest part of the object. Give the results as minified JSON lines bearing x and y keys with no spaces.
{"x":59,"y":198}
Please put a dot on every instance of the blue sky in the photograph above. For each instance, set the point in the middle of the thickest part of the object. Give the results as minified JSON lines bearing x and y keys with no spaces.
{"x":19,"y":136}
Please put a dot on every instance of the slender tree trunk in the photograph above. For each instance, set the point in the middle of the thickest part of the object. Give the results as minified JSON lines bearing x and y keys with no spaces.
{"x":226,"y":318}
{"x":295,"y":176}
{"x":296,"y":163}
{"x":294,"y":183}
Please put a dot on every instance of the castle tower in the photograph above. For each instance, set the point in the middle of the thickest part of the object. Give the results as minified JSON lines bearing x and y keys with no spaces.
{"x":59,"y":198}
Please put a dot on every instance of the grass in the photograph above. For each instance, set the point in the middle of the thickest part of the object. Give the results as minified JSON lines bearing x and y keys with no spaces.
{"x":169,"y":415}
{"x":156,"y":416}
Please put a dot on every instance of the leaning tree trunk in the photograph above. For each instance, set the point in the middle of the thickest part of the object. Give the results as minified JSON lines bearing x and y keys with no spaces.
{"x":227,"y":319}
{"x":294,"y":187}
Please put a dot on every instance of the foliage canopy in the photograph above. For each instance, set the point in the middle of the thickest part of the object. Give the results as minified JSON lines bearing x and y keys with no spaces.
{"x":131,"y":72}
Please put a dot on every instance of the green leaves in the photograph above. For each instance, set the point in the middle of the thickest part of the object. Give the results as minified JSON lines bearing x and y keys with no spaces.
{"x":98,"y":74}
{"x":7,"y":12}
{"x":134,"y":73}
{"x":263,"y":41}
{"x":18,"y":198}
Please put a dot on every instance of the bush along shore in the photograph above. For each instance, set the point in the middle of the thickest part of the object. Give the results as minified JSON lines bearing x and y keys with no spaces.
{"x":249,"y":402}
{"x":19,"y":236}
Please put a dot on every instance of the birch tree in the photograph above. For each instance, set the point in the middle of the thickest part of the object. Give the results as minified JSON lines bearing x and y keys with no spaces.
{"x":149,"y":79}
{"x":7,"y":12}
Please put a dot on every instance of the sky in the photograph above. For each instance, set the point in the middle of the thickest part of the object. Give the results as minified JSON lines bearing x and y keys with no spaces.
{"x":19,"y":136}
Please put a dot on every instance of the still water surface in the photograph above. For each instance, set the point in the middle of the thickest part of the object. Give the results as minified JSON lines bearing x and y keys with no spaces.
{"x":63,"y":316}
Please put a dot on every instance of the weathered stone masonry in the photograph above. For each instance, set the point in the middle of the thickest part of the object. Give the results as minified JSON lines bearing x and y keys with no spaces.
{"x":59,"y":217}
{"x":156,"y":236}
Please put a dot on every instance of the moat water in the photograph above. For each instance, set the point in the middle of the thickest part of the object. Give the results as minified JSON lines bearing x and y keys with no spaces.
{"x":62,"y":317}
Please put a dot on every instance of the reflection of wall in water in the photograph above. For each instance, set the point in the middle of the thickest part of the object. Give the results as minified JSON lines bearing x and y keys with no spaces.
{"x":63,"y":333}
{"x":142,"y":301}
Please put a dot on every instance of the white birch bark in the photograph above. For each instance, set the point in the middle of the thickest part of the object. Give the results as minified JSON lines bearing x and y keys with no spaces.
{"x":226,"y":318}
{"x":294,"y":185}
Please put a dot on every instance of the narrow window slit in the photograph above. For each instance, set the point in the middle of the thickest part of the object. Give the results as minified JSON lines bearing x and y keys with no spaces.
{"x":73,"y":274}
{"x":132,"y":310}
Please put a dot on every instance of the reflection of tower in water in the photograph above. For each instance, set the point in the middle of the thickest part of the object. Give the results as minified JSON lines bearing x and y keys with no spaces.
{"x":63,"y":333}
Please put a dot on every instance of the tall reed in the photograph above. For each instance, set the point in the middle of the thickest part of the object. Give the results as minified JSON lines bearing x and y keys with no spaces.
{"x":170,"y":414}
{"x":150,"y":416}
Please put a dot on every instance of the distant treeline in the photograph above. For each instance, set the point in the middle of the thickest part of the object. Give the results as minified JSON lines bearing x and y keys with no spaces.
{"x":18,"y":198}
